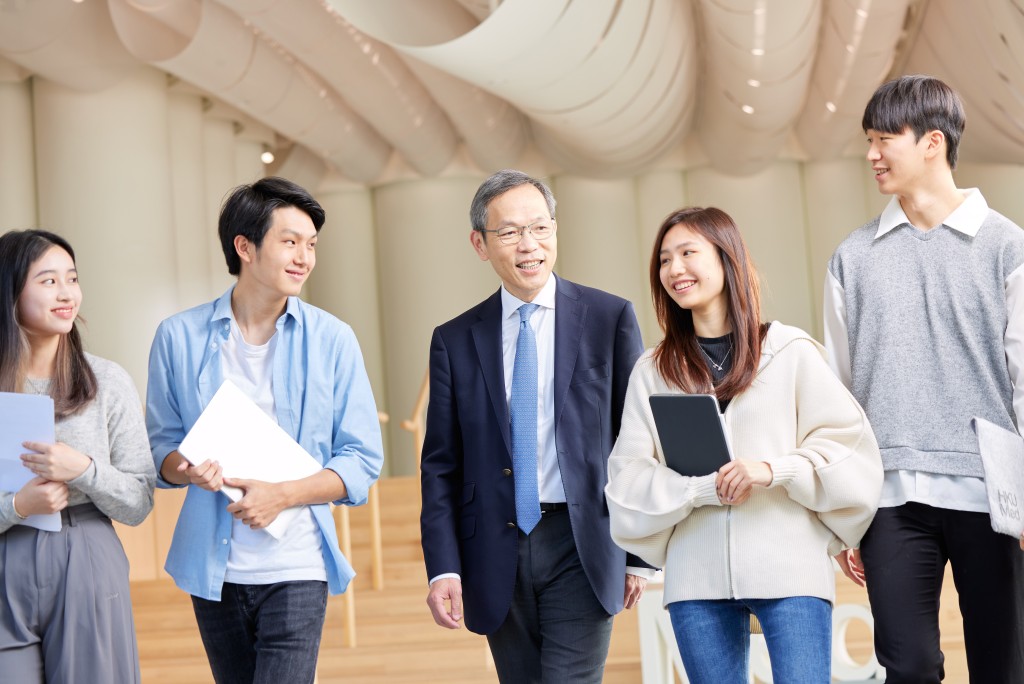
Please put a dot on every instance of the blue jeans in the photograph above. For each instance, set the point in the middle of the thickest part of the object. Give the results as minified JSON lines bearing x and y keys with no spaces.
{"x":714,"y":638}
{"x":263,"y":633}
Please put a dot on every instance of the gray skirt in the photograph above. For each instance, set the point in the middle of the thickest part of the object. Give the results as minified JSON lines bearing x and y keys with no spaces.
{"x":65,"y":611}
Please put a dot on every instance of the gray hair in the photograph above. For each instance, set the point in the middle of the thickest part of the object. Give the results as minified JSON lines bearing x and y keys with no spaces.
{"x":498,"y":184}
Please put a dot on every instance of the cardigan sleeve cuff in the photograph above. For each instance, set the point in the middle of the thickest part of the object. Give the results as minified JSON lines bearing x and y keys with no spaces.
{"x":785,"y":469}
{"x":835,"y":546}
{"x":705,"y":493}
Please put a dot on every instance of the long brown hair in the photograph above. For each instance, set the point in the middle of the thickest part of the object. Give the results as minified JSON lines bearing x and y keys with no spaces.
{"x":73,"y":384}
{"x":678,"y":356}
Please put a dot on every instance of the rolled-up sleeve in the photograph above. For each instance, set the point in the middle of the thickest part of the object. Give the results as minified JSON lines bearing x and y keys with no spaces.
{"x":357,"y":450}
{"x":163,"y":417}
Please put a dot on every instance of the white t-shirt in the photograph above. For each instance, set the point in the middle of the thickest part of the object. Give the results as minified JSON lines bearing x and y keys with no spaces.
{"x":255,"y":557}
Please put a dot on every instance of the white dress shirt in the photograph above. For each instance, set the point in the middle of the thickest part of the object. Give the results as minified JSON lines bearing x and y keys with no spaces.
{"x":953,"y":492}
{"x":549,"y":478}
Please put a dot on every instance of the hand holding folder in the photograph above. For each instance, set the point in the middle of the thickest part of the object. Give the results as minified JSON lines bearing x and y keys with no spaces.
{"x":1002,"y":456}
{"x":249,"y":445}
{"x":24,"y":418}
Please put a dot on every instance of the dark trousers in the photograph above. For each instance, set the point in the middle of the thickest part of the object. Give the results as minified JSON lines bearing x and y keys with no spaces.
{"x":556,"y":630}
{"x":263,"y":633}
{"x":904,"y":553}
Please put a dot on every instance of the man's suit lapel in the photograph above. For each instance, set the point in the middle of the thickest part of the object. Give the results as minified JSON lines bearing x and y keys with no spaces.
{"x":570,"y":316}
{"x":487,"y":338}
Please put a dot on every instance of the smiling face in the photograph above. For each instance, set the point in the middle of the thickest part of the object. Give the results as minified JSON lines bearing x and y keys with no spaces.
{"x":691,"y":272}
{"x":524,"y":268}
{"x":49,"y":303}
{"x":284,"y":259}
{"x":898,"y":160}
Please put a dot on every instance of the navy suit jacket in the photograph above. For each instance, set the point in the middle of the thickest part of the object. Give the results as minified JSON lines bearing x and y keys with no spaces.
{"x":468,"y":516}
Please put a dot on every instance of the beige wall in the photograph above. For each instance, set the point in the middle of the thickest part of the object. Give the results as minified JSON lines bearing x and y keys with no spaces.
{"x":134,"y":175}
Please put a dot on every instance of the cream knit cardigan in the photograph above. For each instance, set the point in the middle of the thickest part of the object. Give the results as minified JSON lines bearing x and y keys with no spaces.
{"x":827,"y":473}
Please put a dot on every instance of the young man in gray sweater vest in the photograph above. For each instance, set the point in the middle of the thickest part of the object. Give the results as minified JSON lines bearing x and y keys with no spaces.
{"x":924,"y":322}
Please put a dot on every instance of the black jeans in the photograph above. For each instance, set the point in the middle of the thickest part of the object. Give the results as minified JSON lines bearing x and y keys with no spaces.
{"x":904,"y":553}
{"x":263,"y":633}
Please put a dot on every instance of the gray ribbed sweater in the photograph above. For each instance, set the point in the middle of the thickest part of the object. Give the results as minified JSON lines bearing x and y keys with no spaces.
{"x":111,"y":431}
{"x":926,"y":314}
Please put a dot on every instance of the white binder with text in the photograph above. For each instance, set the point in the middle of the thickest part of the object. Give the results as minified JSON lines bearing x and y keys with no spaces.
{"x":1002,"y":455}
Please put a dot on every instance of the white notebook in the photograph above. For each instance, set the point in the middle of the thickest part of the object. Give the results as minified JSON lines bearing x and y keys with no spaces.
{"x":248,"y":444}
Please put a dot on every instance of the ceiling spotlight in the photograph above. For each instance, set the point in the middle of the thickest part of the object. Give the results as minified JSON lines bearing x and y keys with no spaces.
{"x":267,"y":157}
{"x":830,"y":106}
{"x":753,"y":83}
{"x":747,"y":109}
{"x":757,"y":52}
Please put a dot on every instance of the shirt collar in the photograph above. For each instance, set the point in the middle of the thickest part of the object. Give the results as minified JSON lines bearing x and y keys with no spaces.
{"x":222,"y":308}
{"x":967,"y":218}
{"x":546,"y":297}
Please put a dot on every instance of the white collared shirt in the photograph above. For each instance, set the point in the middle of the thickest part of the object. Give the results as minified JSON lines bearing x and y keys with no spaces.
{"x":959,"y":493}
{"x":549,"y":478}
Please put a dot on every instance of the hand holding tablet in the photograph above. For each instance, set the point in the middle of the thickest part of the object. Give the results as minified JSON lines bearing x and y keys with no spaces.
{"x":691,"y":432}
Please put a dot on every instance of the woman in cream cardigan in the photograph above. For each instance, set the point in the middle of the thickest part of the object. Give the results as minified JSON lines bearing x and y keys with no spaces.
{"x":756,"y":537}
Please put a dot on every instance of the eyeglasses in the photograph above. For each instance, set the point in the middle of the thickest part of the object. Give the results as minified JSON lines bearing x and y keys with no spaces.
{"x":511,"y":235}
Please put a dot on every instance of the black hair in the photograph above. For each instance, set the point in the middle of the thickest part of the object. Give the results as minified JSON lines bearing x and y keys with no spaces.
{"x":921,"y":103}
{"x":73,"y":384}
{"x":248,"y":211}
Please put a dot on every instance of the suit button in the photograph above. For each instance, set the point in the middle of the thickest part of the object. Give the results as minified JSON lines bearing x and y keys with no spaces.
{"x":510,"y":524}
{"x":506,"y":472}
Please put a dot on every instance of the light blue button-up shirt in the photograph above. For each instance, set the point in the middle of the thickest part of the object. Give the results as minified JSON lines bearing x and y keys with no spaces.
{"x":322,"y":397}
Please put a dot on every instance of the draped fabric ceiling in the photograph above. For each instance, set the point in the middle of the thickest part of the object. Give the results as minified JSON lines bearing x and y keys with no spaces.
{"x":602,"y":88}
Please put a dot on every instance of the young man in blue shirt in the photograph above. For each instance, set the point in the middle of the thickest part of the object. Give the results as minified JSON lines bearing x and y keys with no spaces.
{"x":260,"y":601}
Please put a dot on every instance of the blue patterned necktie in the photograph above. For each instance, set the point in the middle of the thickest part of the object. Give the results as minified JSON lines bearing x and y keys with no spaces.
{"x":523,"y":414}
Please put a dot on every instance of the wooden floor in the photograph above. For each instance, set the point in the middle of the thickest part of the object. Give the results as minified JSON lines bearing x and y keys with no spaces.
{"x":397,"y":639}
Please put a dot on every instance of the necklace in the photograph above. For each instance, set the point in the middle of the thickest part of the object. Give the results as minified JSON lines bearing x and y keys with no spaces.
{"x":39,"y":386}
{"x":717,"y":366}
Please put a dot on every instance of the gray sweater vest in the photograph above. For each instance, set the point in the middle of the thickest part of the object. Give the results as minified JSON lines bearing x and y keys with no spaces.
{"x":926,"y":315}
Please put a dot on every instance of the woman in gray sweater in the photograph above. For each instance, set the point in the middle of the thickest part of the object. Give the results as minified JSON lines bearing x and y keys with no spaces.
{"x":65,"y":612}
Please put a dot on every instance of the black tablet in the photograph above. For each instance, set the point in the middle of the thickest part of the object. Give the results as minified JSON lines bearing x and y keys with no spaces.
{"x":691,"y":431}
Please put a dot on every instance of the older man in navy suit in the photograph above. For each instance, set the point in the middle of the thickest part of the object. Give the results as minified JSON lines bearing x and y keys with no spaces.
{"x":526,"y":392}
